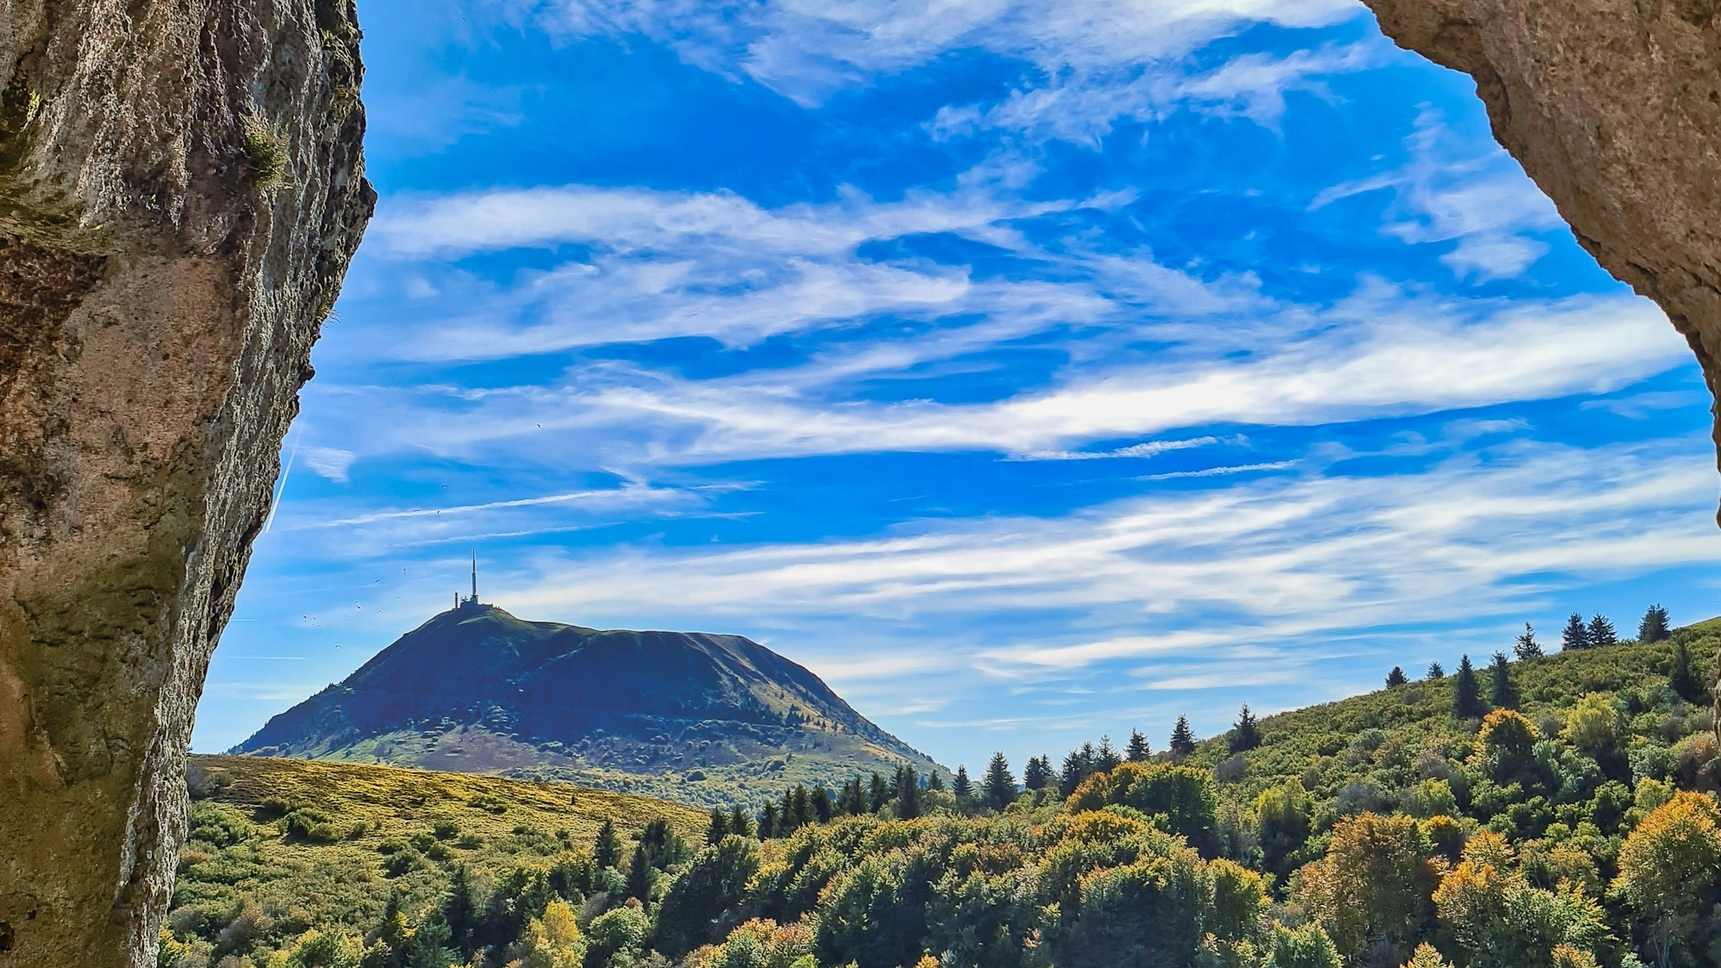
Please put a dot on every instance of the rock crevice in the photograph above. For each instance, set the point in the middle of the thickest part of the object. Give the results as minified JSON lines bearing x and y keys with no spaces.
{"x":181,"y":188}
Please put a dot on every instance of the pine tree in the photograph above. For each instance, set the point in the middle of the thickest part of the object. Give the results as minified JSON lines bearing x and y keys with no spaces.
{"x":1435,"y":671}
{"x":1137,"y":751}
{"x":1182,"y":741}
{"x":1503,"y":692}
{"x":1527,"y":647}
{"x":1601,"y":632}
{"x":1653,"y":628}
{"x":998,"y":786}
{"x":1244,"y":735}
{"x":639,"y":877}
{"x":1396,"y":677}
{"x":934,"y":781}
{"x":718,"y":828}
{"x":823,"y":807}
{"x":606,"y":848}
{"x":1037,"y":773}
{"x":1467,"y":692}
{"x":878,"y":795}
{"x":768,"y":821}
{"x":907,"y":793}
{"x":738,"y":823}
{"x":1682,"y":679}
{"x":1073,"y":773}
{"x":962,"y":787}
{"x":1575,"y":636}
{"x":1106,"y":759}
{"x":462,"y":911}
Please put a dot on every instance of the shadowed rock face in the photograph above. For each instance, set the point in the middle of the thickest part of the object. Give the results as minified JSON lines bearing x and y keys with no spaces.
{"x":1613,"y":107}
{"x":181,"y":187}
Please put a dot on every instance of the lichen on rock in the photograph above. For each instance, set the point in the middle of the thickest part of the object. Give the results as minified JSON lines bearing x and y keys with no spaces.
{"x":181,"y":188}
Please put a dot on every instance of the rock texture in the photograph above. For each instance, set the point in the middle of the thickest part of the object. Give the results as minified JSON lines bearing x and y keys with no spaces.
{"x":181,"y":187}
{"x":1613,"y":107}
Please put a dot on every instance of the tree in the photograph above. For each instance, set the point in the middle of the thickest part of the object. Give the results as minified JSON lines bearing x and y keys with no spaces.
{"x":1669,"y":857}
{"x":934,"y":781}
{"x":962,"y":787}
{"x":738,"y":823}
{"x":1435,"y":671}
{"x":1396,"y":677}
{"x":1373,"y":886}
{"x":1575,"y":636}
{"x":768,"y":820}
{"x":462,"y":911}
{"x":1601,"y":632}
{"x":551,"y":941}
{"x":1182,"y":742}
{"x":606,"y":847}
{"x":1527,"y":647}
{"x":617,"y":937}
{"x":1282,"y":825}
{"x":1467,"y":692}
{"x":1107,"y":758}
{"x":1074,"y":771}
{"x":1182,"y":794}
{"x":1653,"y":628}
{"x":1244,"y":735}
{"x":639,"y":879}
{"x":1502,"y":692}
{"x":879,"y":793}
{"x":1038,"y":773}
{"x":1137,"y":751}
{"x":700,"y":905}
{"x":1682,"y":678}
{"x":999,"y":786}
{"x":718,"y":828}
{"x":907,"y":793}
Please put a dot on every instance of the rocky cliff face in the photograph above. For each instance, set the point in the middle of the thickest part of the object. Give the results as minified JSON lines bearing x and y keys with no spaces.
{"x":1614,"y":108}
{"x":181,"y":187}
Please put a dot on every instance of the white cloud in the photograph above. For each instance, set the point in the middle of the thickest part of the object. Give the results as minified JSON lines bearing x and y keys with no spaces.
{"x":330,"y":462}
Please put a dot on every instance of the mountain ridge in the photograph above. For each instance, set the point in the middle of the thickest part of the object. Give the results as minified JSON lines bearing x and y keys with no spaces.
{"x":698,"y":717}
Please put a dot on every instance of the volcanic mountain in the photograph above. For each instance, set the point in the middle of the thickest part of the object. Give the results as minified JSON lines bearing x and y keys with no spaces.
{"x":709,"y":719}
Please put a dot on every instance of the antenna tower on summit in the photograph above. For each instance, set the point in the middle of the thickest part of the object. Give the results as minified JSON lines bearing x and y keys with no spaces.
{"x":473,"y":601}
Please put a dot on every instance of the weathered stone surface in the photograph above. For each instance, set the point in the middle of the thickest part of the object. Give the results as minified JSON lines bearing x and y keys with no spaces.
{"x":1613,"y":107}
{"x":181,"y":187}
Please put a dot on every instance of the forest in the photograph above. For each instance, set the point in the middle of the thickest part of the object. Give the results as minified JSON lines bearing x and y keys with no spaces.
{"x":1547,"y":809}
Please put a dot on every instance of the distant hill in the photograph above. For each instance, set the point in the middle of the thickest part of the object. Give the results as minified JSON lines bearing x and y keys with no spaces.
{"x":693,"y":717}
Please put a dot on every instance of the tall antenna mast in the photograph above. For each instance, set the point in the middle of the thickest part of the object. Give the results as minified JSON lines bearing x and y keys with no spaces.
{"x":474,"y":576}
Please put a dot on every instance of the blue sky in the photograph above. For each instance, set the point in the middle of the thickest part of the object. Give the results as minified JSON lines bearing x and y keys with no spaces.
{"x":1030,"y":370}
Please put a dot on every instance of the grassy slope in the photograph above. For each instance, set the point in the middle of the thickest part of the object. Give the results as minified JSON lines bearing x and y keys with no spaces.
{"x":1318,"y":743}
{"x":512,"y":822}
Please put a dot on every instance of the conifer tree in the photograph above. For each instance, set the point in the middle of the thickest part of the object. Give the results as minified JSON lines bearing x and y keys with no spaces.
{"x":1601,"y":632}
{"x":1137,"y":751}
{"x":1037,"y":773}
{"x":1653,"y":628}
{"x":606,"y":848}
{"x":718,"y":828}
{"x":1182,"y":742}
{"x":738,"y":822}
{"x":1072,"y":774}
{"x":1576,"y":635}
{"x":878,"y":795}
{"x":639,"y":875}
{"x":1396,"y":677}
{"x":462,"y":911}
{"x":823,"y":807}
{"x":934,"y":781}
{"x":907,"y":793}
{"x":1503,"y":692}
{"x":1106,"y":759}
{"x":1467,"y":692}
{"x":1435,"y":671}
{"x":1527,"y":647}
{"x":768,"y":821}
{"x":962,"y":787}
{"x":1682,"y":679}
{"x":1244,"y":735}
{"x":999,"y":785}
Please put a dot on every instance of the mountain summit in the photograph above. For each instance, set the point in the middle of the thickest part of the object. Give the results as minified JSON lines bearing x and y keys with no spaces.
{"x":688,"y":716}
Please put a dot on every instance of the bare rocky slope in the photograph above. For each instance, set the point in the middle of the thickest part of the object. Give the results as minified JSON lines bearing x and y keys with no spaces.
{"x":687,"y":716}
{"x":181,"y":187}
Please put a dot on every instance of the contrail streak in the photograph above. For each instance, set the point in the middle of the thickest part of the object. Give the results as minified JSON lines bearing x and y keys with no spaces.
{"x":281,"y":486}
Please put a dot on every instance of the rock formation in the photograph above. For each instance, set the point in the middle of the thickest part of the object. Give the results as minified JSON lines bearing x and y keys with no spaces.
{"x":181,"y":187}
{"x":1613,"y":107}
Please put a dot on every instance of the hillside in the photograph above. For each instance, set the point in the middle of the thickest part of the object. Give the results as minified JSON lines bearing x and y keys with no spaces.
{"x":1355,"y":832}
{"x":705,"y":719}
